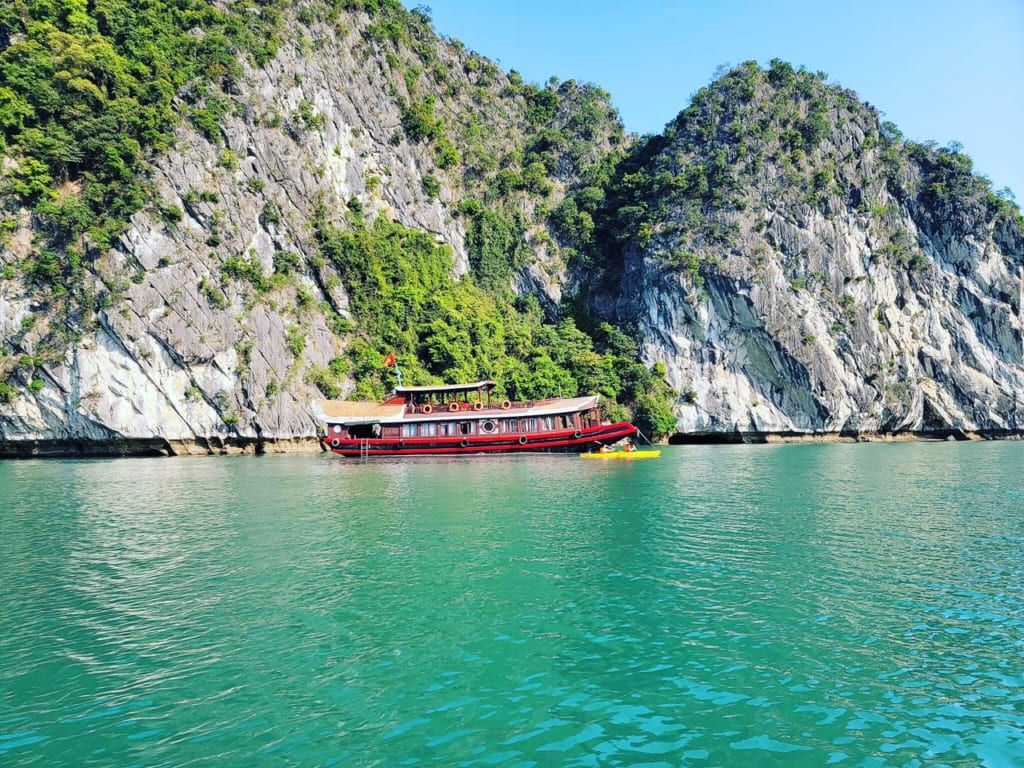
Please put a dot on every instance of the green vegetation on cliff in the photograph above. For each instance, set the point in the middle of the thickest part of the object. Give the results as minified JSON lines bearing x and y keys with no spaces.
{"x":754,"y":128}
{"x":87,"y":92}
{"x":405,"y":301}
{"x":399,"y":282}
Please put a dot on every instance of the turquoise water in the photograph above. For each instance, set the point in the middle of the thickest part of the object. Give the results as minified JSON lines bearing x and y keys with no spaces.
{"x":857,"y":605}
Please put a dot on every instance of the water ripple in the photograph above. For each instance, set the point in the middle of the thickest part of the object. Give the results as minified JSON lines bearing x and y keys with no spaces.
{"x":792,"y":605}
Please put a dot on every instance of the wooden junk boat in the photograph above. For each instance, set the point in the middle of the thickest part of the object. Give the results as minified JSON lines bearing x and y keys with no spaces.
{"x":463,"y":418}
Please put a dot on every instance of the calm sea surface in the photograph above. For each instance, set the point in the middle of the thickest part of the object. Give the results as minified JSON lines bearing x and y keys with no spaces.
{"x":859,"y":605}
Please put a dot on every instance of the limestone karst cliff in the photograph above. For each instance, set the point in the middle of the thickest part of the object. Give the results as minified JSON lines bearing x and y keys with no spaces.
{"x":798,"y":267}
{"x":785,"y":262}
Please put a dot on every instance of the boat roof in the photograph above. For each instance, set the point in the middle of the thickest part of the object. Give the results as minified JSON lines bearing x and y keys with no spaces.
{"x":362,"y":412}
{"x":359,"y":411}
{"x":473,"y":387}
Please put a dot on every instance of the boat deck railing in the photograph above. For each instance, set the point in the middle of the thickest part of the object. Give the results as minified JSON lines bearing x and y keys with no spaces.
{"x":492,"y":407}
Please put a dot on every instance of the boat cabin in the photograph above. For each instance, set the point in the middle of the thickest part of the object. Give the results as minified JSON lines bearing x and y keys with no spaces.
{"x":443,"y":418}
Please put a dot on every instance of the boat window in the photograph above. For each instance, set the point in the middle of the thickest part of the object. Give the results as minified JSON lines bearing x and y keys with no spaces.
{"x":465,"y":428}
{"x":428,"y":429}
{"x":408,"y":430}
{"x":546,"y":424}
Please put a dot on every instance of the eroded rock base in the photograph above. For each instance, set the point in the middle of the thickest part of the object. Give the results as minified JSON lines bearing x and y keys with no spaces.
{"x":725,"y":438}
{"x":156,"y":446}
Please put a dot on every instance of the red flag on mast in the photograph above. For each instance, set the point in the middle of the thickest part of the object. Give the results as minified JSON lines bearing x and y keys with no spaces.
{"x":389,"y":360}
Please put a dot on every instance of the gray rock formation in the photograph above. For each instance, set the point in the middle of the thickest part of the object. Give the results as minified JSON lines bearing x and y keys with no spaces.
{"x":184,"y":359}
{"x":871,"y":300}
{"x":830,"y":290}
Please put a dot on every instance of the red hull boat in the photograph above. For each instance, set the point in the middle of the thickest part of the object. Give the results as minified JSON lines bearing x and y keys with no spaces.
{"x":463,"y":419}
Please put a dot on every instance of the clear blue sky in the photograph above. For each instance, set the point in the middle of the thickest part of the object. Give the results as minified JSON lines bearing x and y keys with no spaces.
{"x":940,"y":70}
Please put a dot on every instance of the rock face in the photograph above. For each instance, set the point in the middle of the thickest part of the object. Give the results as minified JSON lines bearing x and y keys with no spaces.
{"x":196,"y":347}
{"x":855,"y":285}
{"x":865,"y":349}
{"x":817,"y":275}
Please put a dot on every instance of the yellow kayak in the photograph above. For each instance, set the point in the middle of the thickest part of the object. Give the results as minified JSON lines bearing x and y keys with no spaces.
{"x":622,"y":455}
